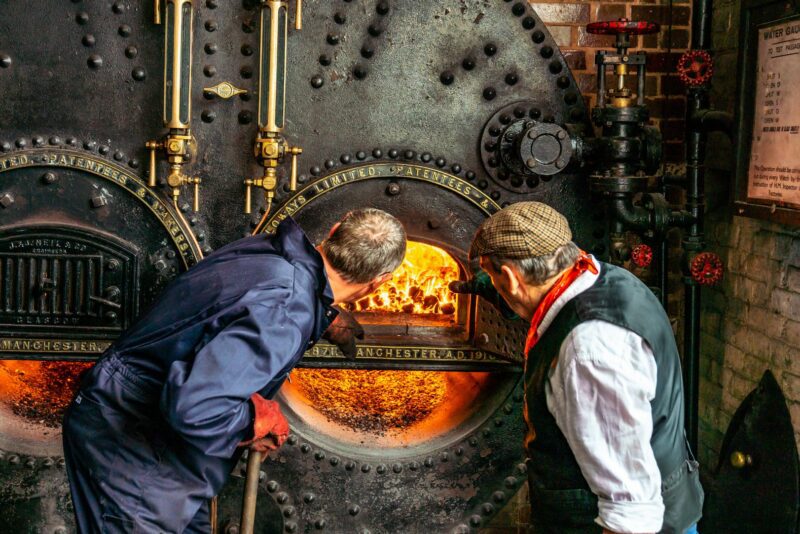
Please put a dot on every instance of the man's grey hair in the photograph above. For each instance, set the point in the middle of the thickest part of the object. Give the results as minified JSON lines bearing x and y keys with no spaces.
{"x":537,"y":270}
{"x":367,"y":243}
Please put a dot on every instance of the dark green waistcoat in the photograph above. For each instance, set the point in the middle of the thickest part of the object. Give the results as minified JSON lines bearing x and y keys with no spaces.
{"x":560,"y":497}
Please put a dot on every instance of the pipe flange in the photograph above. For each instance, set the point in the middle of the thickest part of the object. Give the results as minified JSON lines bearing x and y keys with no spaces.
{"x":544,"y":149}
{"x":608,"y":184}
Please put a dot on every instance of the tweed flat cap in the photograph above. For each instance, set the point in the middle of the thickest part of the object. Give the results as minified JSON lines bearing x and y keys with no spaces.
{"x":522,"y":230}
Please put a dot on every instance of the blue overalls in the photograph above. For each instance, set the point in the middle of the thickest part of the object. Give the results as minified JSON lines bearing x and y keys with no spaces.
{"x":153,"y":431}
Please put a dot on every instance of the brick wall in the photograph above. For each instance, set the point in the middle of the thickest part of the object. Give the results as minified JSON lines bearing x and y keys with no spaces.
{"x":664,"y":96}
{"x":751,"y":322}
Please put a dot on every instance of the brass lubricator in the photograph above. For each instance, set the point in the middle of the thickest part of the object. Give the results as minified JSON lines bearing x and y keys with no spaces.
{"x":271,"y":147}
{"x":178,"y":144}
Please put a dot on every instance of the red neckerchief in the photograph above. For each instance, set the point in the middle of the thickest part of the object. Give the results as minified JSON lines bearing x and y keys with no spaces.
{"x":582,"y":264}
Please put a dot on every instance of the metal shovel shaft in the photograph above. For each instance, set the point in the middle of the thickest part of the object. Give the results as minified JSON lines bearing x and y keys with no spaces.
{"x":250,"y":492}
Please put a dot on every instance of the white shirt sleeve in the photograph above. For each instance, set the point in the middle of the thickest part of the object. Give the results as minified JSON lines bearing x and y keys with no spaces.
{"x":599,"y":394}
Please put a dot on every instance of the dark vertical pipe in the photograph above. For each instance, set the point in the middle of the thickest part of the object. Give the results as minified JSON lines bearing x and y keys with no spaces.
{"x":693,"y":240}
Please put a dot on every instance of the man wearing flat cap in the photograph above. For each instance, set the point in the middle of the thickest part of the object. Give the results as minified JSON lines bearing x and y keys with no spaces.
{"x":603,"y":392}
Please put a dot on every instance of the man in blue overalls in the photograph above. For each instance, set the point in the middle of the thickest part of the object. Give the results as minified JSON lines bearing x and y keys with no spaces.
{"x":154,"y":430}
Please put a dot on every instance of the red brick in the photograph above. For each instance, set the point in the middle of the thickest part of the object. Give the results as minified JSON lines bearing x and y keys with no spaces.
{"x":576,"y":59}
{"x":599,"y":41}
{"x":673,"y":130}
{"x":562,"y":13}
{"x":660,"y":14}
{"x":680,"y":39}
{"x":671,"y":84}
{"x":587,"y":83}
{"x":674,"y":107}
{"x":662,"y":61}
{"x":610,"y":12}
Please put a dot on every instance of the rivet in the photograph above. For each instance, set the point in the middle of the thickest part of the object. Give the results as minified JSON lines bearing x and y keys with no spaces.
{"x":522,"y":468}
{"x":209,"y":70}
{"x":247,"y":50}
{"x":119,"y":156}
{"x":5,"y":146}
{"x":71,"y":141}
{"x":444,"y":457}
{"x":324,"y":60}
{"x":305,"y":448}
{"x":49,"y":178}
{"x":428,"y":462}
{"x":456,"y":168}
{"x":440,"y":162}
{"x":54,"y":140}
{"x":315,"y":171}
{"x":308,"y":498}
{"x":288,"y":511}
{"x":468,"y":63}
{"x":131,"y":52}
{"x":245,"y":117}
{"x":350,"y":465}
{"x":211,"y":26}
{"x":334,"y":461}
{"x":446,"y":78}
{"x":489,"y":93}
{"x":94,"y":61}
{"x":104,"y":149}
{"x":528,"y":23}
{"x":13,"y":459}
{"x":360,"y":72}
{"x":498,"y":496}
{"x":118,"y":7}
{"x":340,"y":17}
{"x":329,"y":164}
{"x":88,"y":40}
{"x":246,"y":72}
{"x":393,"y":153}
{"x":562,"y":82}
{"x":366,"y":468}
{"x":367,"y":51}
{"x":208,"y":116}
{"x":38,"y":140}
{"x":475,"y":520}
{"x":490,"y":49}
{"x":487,"y":508}
{"x":210,"y":48}
{"x":262,"y":476}
{"x":494,"y":131}
{"x":6,"y":200}
{"x":426,"y":157}
{"x":505,"y":119}
{"x":377,"y":153}
{"x":493,"y":162}
{"x":333,"y":39}
{"x":503,"y":175}
{"x":413,"y":466}
{"x":397,"y":468}
{"x":459,"y":451}
{"x":361,"y":155}
{"x":138,"y":74}
{"x":409,"y":154}
{"x":483,"y":184}
{"x":282,"y":498}
{"x":537,"y":36}
{"x":290,"y":527}
{"x":546,"y":51}
{"x":518,"y":9}
{"x":375,"y":30}
{"x":319,"y":524}
{"x":317,"y":82}
{"x":5,"y":61}
{"x":21,"y":143}
{"x":124,"y":30}
{"x":510,"y":482}
{"x":534,"y":113}
{"x":381,"y":469}
{"x":212,"y":4}
{"x":319,"y":455}
{"x":272,"y":486}
{"x":82,"y":18}
{"x":495,"y":195}
{"x":382,"y":8}
{"x":354,"y":509}
{"x":555,"y":66}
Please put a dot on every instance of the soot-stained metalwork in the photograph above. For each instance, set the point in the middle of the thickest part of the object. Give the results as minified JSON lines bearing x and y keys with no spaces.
{"x":382,"y":86}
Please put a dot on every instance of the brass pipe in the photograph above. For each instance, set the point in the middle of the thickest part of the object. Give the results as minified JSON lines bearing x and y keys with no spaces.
{"x":173,"y":120}
{"x":250,"y":493}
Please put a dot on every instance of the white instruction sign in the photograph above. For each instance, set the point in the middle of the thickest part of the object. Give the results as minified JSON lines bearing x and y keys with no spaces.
{"x":774,"y":173}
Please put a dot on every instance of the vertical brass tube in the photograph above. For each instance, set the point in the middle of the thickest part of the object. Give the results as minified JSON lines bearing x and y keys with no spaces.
{"x":177,"y":64}
{"x":272,"y":78}
{"x":250,"y":493}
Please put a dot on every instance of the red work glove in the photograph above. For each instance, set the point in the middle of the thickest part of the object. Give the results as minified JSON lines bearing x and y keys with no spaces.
{"x":270,"y":428}
{"x":343,"y":332}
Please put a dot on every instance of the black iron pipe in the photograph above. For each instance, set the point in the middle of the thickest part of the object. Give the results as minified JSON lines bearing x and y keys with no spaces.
{"x":708,"y":120}
{"x":693,"y":240}
{"x":632,"y":217}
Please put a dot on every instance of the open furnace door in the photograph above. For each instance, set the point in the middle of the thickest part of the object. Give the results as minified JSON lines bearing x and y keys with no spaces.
{"x":757,"y":486}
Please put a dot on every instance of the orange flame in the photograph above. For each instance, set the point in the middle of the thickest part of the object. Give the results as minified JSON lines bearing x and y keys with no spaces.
{"x":419,"y":285}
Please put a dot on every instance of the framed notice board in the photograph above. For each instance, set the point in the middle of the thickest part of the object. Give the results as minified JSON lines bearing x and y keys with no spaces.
{"x":768,"y":112}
